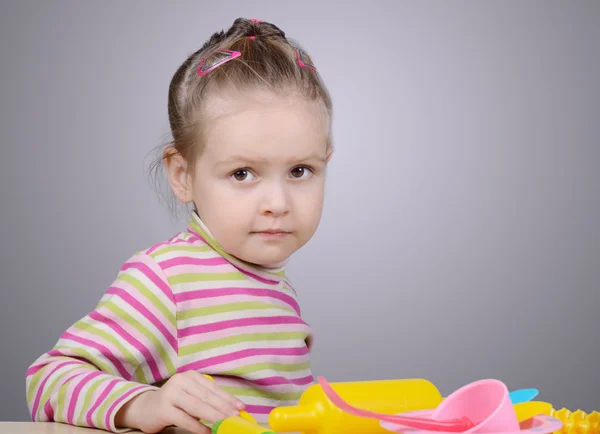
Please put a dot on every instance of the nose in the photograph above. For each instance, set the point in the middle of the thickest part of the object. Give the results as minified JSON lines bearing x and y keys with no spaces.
{"x":275,"y":200}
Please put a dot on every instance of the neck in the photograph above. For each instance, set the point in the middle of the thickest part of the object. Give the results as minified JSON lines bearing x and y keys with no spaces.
{"x":274,"y":266}
{"x":272,"y":272}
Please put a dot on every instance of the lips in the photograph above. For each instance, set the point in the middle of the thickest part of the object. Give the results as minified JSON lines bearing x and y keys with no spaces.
{"x":272,"y":232}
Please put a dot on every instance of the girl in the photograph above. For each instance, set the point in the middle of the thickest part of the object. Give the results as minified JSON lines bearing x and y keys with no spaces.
{"x":251,"y":126}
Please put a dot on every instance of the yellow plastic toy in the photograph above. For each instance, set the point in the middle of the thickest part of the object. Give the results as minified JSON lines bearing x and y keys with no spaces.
{"x":577,"y":422}
{"x":315,"y":414}
{"x":238,"y":425}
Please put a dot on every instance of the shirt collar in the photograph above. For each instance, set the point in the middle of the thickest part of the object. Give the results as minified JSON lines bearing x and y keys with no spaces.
{"x":271,"y":275}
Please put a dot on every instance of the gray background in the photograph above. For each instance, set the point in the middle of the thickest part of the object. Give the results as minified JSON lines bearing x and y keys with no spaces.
{"x":460,"y":236}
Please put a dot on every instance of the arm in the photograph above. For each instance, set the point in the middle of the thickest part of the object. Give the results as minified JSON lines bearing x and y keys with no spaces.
{"x":115,"y":353}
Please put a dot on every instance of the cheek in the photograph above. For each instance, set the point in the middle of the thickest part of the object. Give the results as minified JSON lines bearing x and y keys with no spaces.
{"x":222,"y":206}
{"x":309,"y":205}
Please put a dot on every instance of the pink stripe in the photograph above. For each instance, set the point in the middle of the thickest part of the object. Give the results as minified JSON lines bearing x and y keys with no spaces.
{"x":170,"y":241}
{"x":146,"y":313}
{"x":150,"y":274}
{"x":199,"y":269}
{"x":236,"y":364}
{"x":110,"y":386}
{"x":103,"y":350}
{"x":207,"y":337}
{"x":121,"y":332}
{"x":234,"y":298}
{"x":59,"y":353}
{"x":46,"y":360}
{"x":291,"y":287}
{"x":33,"y":369}
{"x":76,"y":392}
{"x":48,"y":406}
{"x":49,"y":411}
{"x":277,"y":381}
{"x":38,"y":396}
{"x":154,"y":248}
{"x":245,"y":272}
{"x":237,"y":355}
{"x":259,"y":278}
{"x":95,"y":396}
{"x":274,"y":384}
{"x":259,"y":409}
{"x":108,"y":415}
{"x":186,"y":260}
{"x":107,"y":345}
{"x":268,"y":320}
{"x":224,"y":292}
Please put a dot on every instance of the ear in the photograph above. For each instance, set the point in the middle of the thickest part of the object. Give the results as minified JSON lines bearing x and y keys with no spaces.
{"x":329,"y":155}
{"x":179,"y":177}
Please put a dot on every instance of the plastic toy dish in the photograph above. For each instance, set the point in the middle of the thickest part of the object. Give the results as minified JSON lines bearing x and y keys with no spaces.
{"x":487,"y":404}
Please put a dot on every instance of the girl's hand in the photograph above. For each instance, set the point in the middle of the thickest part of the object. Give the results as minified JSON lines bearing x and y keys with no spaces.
{"x":182,"y":401}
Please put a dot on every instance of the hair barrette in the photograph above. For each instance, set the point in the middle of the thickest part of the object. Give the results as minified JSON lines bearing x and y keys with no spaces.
{"x":304,"y":60}
{"x":215,"y":59}
{"x":219,"y":57}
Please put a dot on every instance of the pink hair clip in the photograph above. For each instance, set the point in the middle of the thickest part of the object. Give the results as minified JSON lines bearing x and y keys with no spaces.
{"x":304,"y":60}
{"x":216,"y":59}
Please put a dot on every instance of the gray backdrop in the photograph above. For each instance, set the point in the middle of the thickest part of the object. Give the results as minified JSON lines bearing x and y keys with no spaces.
{"x":460,"y":236}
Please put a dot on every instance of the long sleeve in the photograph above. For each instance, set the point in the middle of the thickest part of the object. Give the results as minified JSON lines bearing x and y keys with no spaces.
{"x":122,"y":348}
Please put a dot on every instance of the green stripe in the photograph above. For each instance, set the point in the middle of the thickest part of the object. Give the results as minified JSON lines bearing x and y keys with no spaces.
{"x":280,"y":273}
{"x":133,"y":323}
{"x":205,"y":277}
{"x":87,"y":356}
{"x":230,"y":340}
{"x":257,"y":393}
{"x":217,"y":247}
{"x":36,"y":378}
{"x":137,"y":284}
{"x":81,"y":325}
{"x":114,"y":394}
{"x":139,"y":376}
{"x":88,"y":398}
{"x":60,"y":405}
{"x":228,"y":307}
{"x":280,"y":367}
{"x":169,"y":249}
{"x":50,"y":389}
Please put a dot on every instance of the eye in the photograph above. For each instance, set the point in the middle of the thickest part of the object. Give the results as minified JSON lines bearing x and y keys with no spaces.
{"x":300,"y":172}
{"x":243,"y":175}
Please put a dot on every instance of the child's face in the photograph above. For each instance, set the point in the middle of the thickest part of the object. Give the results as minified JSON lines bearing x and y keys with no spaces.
{"x":258,"y":184}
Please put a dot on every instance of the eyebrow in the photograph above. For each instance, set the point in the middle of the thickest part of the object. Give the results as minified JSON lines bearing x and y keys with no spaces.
{"x":245,"y":159}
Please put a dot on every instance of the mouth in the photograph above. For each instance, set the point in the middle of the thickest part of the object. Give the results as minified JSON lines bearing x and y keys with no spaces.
{"x":272,"y":233}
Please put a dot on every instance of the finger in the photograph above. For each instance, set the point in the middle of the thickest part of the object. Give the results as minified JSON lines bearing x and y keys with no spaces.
{"x":199,"y":408}
{"x":210,"y":392}
{"x":214,"y":387}
{"x":183,"y":420}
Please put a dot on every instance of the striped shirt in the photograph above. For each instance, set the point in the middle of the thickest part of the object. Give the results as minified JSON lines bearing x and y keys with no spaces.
{"x":181,"y":305}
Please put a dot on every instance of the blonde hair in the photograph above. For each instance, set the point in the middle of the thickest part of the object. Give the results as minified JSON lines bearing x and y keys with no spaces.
{"x":269,"y":60}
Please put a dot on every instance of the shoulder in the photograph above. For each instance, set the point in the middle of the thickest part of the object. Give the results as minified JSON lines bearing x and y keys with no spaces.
{"x":183,"y":248}
{"x":151,"y":268}
{"x":181,"y":257}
